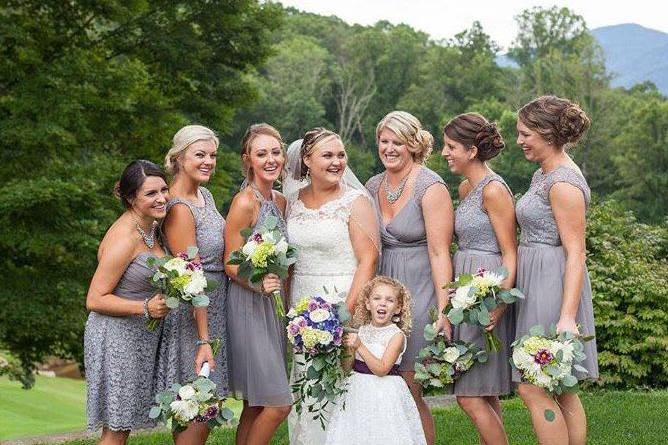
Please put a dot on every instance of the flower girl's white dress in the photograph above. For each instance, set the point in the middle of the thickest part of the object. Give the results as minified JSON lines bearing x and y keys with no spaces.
{"x":376,"y":410}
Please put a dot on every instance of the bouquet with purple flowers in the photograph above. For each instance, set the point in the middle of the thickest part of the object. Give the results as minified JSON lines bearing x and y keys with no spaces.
{"x":193,"y":402}
{"x":315,"y":329}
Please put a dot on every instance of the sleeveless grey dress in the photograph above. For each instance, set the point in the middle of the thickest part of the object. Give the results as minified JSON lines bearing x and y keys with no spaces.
{"x":541,"y":263}
{"x":405,"y":257}
{"x":119,"y":356}
{"x":178,"y":344}
{"x":478,"y":247}
{"x":257,"y":348}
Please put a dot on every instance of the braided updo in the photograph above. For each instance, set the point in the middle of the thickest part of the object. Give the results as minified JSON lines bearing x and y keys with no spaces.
{"x":472,"y":129}
{"x":559,"y":121}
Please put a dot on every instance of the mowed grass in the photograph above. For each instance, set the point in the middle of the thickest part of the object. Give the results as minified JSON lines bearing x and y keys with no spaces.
{"x":615,"y":417}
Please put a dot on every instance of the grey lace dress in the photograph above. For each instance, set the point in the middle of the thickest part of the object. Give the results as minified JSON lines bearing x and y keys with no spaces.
{"x":178,"y":344}
{"x":119,"y":356}
{"x":479,"y":248}
{"x":541,"y":263}
{"x":405,"y":257}
{"x":257,"y":348}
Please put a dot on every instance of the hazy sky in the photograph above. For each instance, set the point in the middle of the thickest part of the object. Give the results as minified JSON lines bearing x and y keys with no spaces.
{"x":445,"y":18}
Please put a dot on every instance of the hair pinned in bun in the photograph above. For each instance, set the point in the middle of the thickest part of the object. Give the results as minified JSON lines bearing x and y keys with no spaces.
{"x":409,"y":129}
{"x":558,"y":120}
{"x":472,"y":129}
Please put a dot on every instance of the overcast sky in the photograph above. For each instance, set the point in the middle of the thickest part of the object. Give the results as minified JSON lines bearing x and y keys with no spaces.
{"x":445,"y":18}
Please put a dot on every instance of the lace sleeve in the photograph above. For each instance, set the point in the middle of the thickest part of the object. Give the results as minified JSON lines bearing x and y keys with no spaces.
{"x":426,"y":178}
{"x":363,"y":220}
{"x":569,"y":176}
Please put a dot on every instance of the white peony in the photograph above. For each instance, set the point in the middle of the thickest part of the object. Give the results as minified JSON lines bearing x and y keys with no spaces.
{"x":325,"y":337}
{"x":281,"y":247}
{"x":186,"y":392}
{"x":463,"y":298}
{"x":319,"y":315}
{"x":197,"y":284}
{"x":566,"y":349}
{"x":177,"y":264}
{"x":451,"y":354}
{"x":269,"y":238}
{"x":521,"y":358}
{"x":184,"y":410}
{"x":249,"y":248}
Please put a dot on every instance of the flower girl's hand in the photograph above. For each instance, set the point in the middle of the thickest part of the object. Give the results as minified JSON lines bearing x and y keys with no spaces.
{"x":157,"y":308}
{"x":270,"y":283}
{"x":443,"y":326}
{"x":204,"y":354}
{"x":567,"y":325}
{"x":351,"y":340}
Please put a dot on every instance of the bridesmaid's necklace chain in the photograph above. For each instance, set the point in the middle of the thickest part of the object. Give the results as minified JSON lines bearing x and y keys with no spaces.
{"x":149,"y":238}
{"x":393,"y":196}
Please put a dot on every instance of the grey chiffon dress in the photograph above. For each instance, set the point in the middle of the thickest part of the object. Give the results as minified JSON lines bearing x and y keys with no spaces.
{"x":405,"y":257}
{"x":479,"y":248}
{"x":120,"y":356}
{"x":178,"y":344}
{"x":541,"y":263}
{"x":257,"y":339}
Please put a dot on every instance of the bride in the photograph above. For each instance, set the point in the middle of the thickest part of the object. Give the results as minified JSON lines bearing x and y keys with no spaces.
{"x":332,"y":222}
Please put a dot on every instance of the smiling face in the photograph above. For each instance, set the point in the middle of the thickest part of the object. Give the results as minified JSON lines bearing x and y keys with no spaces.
{"x":458,"y":156}
{"x":198,"y":161}
{"x":534,"y":146}
{"x":383,"y":303}
{"x":151,"y":198}
{"x":393,"y":151}
{"x":265,"y":159}
{"x":327,"y":162}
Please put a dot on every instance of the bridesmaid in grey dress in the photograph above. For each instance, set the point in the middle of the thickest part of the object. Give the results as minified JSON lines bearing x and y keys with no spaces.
{"x":551,"y":268}
{"x":416,"y":217}
{"x":119,"y":351}
{"x":193,"y":220}
{"x":486,"y":237}
{"x":258,"y":368}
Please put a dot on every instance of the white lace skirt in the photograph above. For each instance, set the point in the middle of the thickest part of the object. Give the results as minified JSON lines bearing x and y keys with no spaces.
{"x":377,"y":411}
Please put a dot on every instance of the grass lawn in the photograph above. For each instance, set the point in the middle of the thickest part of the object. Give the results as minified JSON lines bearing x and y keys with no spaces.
{"x":57,"y":405}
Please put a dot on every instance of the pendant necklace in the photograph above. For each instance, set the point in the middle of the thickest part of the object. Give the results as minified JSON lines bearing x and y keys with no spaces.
{"x":149,"y":239}
{"x":393,"y":196}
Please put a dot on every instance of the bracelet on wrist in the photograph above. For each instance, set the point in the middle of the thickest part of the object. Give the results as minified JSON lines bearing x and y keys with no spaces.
{"x":202,"y":342}
{"x":147,"y":315}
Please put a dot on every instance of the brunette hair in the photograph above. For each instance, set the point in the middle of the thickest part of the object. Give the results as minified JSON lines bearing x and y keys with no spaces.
{"x":559,"y":121}
{"x":472,"y":129}
{"x":311,"y":142}
{"x":133,"y":178}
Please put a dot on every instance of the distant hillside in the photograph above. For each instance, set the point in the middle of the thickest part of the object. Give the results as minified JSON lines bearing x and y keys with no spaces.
{"x":633,"y":54}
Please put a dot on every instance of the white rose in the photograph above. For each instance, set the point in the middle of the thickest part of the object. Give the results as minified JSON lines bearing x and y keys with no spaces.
{"x":319,"y":315}
{"x":521,"y":358}
{"x":281,"y":247}
{"x":451,"y":354}
{"x":196,"y":285}
{"x":462,"y":299}
{"x":186,"y":392}
{"x":325,"y":338}
{"x":176,"y":264}
{"x":249,"y":248}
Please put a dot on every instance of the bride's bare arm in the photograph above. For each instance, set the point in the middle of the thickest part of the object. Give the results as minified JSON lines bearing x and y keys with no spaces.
{"x":365,"y":239}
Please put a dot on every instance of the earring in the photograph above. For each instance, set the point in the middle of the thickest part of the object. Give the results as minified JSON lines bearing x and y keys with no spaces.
{"x":396,"y":319}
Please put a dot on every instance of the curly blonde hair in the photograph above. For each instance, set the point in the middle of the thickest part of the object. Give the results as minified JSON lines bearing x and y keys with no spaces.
{"x":409,"y":129}
{"x":362,"y":315}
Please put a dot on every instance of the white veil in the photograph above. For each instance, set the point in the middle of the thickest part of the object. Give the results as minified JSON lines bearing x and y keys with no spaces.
{"x":364,"y":217}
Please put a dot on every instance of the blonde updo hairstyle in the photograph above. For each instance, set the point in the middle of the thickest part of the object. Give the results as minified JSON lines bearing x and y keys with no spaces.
{"x":473,"y":130}
{"x":409,"y":129}
{"x":183,"y":139}
{"x":251,"y":134}
{"x":311,"y":143}
{"x":559,"y":121}
{"x":362,"y":316}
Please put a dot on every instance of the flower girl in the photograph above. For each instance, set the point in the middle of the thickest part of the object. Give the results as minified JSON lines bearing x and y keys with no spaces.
{"x":378,"y":407}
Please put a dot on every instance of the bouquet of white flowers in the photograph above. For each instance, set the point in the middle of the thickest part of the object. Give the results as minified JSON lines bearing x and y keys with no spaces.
{"x":315,"y":329}
{"x":475,"y":296}
{"x":442,"y":362}
{"x":181,"y":279}
{"x":193,"y":402}
{"x":265,"y":252}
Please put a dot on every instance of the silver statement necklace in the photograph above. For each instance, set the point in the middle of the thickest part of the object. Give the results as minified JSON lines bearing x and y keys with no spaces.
{"x":394,"y":195}
{"x":149,"y":238}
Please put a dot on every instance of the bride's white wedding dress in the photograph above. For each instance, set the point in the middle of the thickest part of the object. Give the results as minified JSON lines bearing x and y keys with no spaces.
{"x":325,"y":257}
